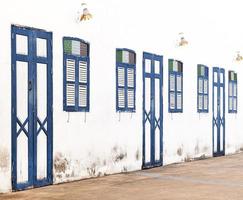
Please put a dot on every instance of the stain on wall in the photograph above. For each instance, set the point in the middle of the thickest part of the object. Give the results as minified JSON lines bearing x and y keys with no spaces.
{"x":92,"y":169}
{"x":124,"y":169}
{"x":4,"y":159}
{"x":68,"y":168}
{"x":180,"y":151}
{"x":60,"y":164}
{"x":118,"y":154}
{"x":137,"y":155}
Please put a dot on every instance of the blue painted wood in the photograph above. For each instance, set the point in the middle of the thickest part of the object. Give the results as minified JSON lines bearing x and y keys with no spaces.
{"x":234,"y":84}
{"x":149,"y":116}
{"x":86,"y":108}
{"x":126,"y":66}
{"x":204,"y":93}
{"x":32,"y":132}
{"x":218,"y":120}
{"x":76,"y":108}
{"x":175,"y":74}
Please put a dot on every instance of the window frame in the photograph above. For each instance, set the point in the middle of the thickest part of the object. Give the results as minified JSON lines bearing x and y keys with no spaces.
{"x":77,"y":59}
{"x":204,"y":78}
{"x":176,"y":74}
{"x":125,"y":66}
{"x":234,"y":83}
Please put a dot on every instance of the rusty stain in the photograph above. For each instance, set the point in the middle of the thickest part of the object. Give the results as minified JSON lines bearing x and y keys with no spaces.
{"x":124,"y":169}
{"x":137,"y":155}
{"x":202,"y":157}
{"x":120,"y":157}
{"x":179,"y":151}
{"x":59,"y":176}
{"x":4,"y":159}
{"x":99,"y":174}
{"x":67,"y":175}
{"x":118,"y":154}
{"x":60,"y":163}
{"x":92,"y":169}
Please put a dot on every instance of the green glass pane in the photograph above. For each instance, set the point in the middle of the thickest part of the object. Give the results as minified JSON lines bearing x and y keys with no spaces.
{"x":202,"y":71}
{"x":125,"y":56}
{"x":119,"y":56}
{"x":170,"y":65}
{"x":180,"y":66}
{"x":131,"y":58}
{"x":67,"y":45}
{"x":229,"y":75}
{"x":199,"y":70}
{"x":232,"y":76}
{"x":75,"y":47}
{"x":175,"y":66}
{"x":235,"y":77}
{"x":83,"y":49}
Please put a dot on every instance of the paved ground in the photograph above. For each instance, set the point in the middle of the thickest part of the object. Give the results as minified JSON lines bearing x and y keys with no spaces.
{"x":215,"y":178}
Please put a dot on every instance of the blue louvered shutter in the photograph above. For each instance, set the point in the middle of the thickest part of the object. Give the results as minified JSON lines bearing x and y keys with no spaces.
{"x":76,"y":74}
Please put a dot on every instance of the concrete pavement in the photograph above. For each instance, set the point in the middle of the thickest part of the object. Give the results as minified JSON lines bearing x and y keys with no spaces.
{"x":214,"y":178}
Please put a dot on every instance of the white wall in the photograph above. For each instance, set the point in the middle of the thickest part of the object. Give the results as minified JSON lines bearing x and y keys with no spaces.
{"x":214,"y":34}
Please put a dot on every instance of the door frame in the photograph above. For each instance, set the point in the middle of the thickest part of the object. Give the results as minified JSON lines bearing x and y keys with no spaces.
{"x":32,"y":138}
{"x":219,"y":120}
{"x":152,"y":75}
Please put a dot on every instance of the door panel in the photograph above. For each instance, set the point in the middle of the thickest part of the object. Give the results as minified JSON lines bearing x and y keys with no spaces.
{"x":147,"y":119}
{"x":152,"y":110}
{"x":22,"y":121}
{"x":31,"y":107}
{"x":41,"y":76}
{"x":157,"y":119}
{"x":22,"y":158}
{"x":218,"y":111}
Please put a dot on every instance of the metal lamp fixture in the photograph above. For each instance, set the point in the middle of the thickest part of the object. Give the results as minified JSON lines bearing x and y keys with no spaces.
{"x":182,"y":40}
{"x":85,"y":14}
{"x":238,"y":57}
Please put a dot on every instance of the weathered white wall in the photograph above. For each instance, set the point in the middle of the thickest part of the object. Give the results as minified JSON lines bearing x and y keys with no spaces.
{"x":103,"y":144}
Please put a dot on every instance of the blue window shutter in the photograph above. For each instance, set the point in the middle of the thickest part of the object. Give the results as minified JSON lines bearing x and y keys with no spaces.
{"x":202,"y":89}
{"x":175,"y":89}
{"x":69,"y":83}
{"x":83,"y":84}
{"x":76,"y":75}
{"x":125,"y":80}
{"x":232,"y":92}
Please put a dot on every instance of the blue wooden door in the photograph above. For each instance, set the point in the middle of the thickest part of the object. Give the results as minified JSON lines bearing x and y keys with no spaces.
{"x":31,"y":107}
{"x":152,"y":110}
{"x":218,"y":111}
